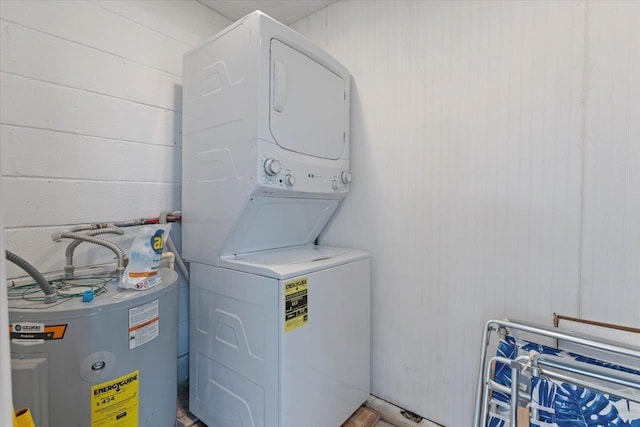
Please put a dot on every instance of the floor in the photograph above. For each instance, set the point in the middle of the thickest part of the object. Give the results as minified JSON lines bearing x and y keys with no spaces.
{"x":378,"y":424}
{"x":186,"y":419}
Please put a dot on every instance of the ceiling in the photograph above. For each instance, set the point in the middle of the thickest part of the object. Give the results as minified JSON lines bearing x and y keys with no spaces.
{"x":287,"y":11}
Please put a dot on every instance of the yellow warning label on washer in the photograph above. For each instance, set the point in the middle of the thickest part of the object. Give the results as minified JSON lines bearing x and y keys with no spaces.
{"x":295,"y":304}
{"x":115,"y":403}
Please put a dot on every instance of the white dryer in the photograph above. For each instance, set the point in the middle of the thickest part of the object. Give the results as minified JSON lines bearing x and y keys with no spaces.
{"x":265,"y":140}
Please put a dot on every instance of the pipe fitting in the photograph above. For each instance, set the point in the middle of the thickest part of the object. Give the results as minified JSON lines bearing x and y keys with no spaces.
{"x":69,"y":268}
{"x":182,"y":267}
{"x":120,"y":254}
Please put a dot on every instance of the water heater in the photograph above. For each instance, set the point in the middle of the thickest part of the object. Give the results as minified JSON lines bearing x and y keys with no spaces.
{"x":107,"y":362}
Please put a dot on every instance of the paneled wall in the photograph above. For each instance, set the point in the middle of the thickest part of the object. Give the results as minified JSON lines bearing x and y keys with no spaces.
{"x":496,"y":162}
{"x":610,"y":282}
{"x":90,"y":120}
{"x":6,"y":404}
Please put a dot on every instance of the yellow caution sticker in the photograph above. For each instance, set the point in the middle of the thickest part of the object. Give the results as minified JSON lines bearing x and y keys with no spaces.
{"x":115,"y":403}
{"x":296,"y":312}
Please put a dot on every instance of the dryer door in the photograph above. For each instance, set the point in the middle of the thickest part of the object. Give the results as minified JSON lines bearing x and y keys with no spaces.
{"x":307,"y":104}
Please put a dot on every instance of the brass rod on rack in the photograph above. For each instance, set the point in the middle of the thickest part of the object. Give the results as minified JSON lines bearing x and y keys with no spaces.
{"x":558,"y":317}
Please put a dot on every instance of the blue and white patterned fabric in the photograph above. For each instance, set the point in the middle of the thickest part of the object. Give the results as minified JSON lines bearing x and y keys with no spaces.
{"x":561,"y":404}
{"x":567,"y":405}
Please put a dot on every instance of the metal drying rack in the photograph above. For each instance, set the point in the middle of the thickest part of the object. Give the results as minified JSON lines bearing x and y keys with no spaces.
{"x":592,"y":377}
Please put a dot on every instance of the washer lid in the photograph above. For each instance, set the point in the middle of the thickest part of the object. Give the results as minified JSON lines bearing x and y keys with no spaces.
{"x":308,"y":103}
{"x":291,"y":262}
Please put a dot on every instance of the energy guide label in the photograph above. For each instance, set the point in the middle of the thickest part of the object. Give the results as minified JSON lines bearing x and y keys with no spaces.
{"x":144,"y":324}
{"x":115,"y":403}
{"x":295,"y":304}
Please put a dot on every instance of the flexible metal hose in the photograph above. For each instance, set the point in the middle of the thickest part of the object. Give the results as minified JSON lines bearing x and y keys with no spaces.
{"x":49,"y":294}
{"x":56,"y":237}
{"x":79,"y":228}
{"x":69,"y":268}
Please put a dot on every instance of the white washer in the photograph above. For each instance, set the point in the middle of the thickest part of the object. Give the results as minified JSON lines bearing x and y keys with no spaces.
{"x":280,"y":338}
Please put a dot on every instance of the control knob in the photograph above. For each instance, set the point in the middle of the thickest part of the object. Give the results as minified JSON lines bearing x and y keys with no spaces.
{"x":345,"y":177}
{"x":289,"y":179}
{"x":335,"y":184}
{"x":272,"y":167}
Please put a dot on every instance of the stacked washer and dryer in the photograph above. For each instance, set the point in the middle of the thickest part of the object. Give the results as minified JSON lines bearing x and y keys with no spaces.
{"x":279,"y":327}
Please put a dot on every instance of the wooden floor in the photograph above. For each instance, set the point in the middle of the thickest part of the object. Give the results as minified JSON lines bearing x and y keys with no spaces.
{"x":363,"y":417}
{"x":375,"y":413}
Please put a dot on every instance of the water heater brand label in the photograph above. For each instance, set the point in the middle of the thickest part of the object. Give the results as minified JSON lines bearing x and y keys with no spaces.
{"x":29,"y":333}
{"x":144,"y":324}
{"x":115,"y":403}
{"x":295,"y":304}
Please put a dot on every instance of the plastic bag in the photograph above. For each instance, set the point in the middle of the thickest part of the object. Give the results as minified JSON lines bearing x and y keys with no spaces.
{"x":146,"y":251}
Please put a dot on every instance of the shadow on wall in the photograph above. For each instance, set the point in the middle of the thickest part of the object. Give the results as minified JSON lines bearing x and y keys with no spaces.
{"x":177,"y":125}
{"x":360,"y":155}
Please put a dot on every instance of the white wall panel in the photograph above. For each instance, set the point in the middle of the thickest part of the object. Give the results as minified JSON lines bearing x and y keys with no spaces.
{"x":74,"y":65}
{"x":495,"y":174}
{"x":29,"y":152}
{"x":39,"y":202}
{"x":6,"y":403}
{"x":610,"y":288}
{"x":90,"y":25}
{"x":189,"y":22}
{"x":30,"y":103}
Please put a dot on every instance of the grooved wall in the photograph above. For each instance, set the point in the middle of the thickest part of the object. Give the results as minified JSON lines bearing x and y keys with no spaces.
{"x":496,"y":173}
{"x":90,"y":120}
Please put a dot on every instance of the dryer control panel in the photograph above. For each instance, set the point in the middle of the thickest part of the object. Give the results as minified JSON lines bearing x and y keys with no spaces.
{"x":291,"y":173}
